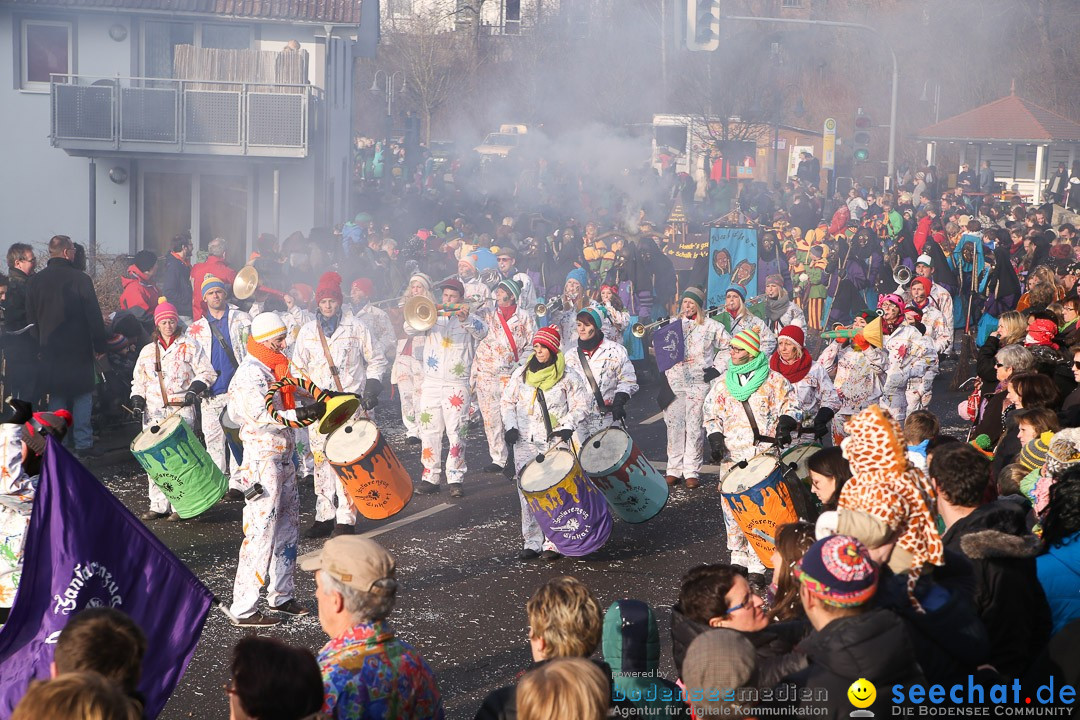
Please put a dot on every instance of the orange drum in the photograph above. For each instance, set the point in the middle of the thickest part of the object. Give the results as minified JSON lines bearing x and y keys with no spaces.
{"x":759,"y":501}
{"x":373,"y":477}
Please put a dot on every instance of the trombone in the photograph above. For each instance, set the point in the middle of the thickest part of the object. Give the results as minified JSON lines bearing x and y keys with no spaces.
{"x":638,"y":330}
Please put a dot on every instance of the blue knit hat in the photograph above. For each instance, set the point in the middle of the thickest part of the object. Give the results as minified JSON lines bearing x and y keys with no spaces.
{"x":590,"y":314}
{"x":737,"y":289}
{"x":580,"y":275}
{"x":210,"y":282}
{"x":839,"y":571}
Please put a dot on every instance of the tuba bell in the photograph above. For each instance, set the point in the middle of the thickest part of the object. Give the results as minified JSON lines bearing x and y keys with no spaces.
{"x":246,"y":284}
{"x":421,"y":313}
{"x":901,"y":276}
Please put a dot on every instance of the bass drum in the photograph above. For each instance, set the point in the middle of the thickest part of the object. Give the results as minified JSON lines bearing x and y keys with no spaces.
{"x":178,"y":464}
{"x":631,"y":485}
{"x":571,"y":512}
{"x":370,"y":472}
{"x":759,"y":501}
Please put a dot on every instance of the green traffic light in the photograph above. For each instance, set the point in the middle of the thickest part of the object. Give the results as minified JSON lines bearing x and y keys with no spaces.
{"x":862,"y":154}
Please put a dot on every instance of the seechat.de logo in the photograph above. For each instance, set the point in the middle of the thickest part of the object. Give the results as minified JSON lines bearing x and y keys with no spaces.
{"x":862,"y":694}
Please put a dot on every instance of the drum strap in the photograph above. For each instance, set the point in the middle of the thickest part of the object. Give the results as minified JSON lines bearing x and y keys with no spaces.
{"x":221,"y":340}
{"x":544,"y":410}
{"x":161,"y":378}
{"x":329,"y":360}
{"x":758,"y":437}
{"x":603,"y":406}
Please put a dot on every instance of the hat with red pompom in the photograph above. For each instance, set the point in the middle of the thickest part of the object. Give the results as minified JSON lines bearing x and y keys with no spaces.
{"x":329,"y":287}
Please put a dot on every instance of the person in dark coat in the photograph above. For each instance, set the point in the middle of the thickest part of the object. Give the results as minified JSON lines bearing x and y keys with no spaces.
{"x":993,"y":537}
{"x":851,"y":638}
{"x":62,"y":305}
{"x":20,"y":351}
{"x":174,"y":275}
{"x":631,"y":647}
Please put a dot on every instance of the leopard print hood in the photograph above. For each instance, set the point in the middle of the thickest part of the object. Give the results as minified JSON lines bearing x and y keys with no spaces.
{"x":874,"y":443}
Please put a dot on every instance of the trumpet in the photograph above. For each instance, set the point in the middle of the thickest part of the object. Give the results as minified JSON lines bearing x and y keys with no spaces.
{"x":902,"y":277}
{"x":541,"y":309}
{"x":638,"y":330}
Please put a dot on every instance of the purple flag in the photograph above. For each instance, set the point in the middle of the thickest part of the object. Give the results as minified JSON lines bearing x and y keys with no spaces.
{"x":85,"y":549}
{"x":667,"y":343}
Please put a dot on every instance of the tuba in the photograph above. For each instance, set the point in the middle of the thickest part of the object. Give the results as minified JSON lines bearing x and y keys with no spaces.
{"x":421,"y":313}
{"x":901,"y":276}
{"x":246,"y":284}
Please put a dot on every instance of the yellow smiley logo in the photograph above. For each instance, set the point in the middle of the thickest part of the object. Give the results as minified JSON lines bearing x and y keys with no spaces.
{"x":862,"y":693}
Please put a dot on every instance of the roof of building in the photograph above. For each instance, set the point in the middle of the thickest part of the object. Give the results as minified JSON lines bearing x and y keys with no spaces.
{"x":1008,"y":119}
{"x":337,"y":12}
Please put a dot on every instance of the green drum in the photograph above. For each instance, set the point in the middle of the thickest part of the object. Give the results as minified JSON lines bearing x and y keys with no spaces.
{"x":178,"y":464}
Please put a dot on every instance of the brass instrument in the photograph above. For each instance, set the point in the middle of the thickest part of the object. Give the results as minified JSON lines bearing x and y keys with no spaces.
{"x":246,"y":284}
{"x":638,"y":330}
{"x":902,"y":277}
{"x":421,"y":312}
{"x":541,"y":309}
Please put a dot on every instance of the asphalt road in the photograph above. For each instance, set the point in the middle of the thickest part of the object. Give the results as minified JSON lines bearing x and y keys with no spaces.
{"x":463,"y":592}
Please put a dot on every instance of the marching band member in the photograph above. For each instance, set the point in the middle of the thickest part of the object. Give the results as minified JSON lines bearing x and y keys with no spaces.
{"x":744,"y":411}
{"x":939,"y":331}
{"x":920,"y":387}
{"x":704,"y":340}
{"x":813,"y":387}
{"x":780,"y":310}
{"x":272,"y":504}
{"x":509,"y":329}
{"x":616,"y":313}
{"x":221,"y":332}
{"x":170,"y":374}
{"x":468,"y":272}
{"x":375,"y":319}
{"x":739,"y":318}
{"x":545,"y":373}
{"x":564,"y":310}
{"x":336,"y":352}
{"x":858,"y":371}
{"x":924,"y":267}
{"x":609,"y":375}
{"x":296,"y":314}
{"x":449,"y":348}
{"x":406,"y":371}
{"x":903,"y":349}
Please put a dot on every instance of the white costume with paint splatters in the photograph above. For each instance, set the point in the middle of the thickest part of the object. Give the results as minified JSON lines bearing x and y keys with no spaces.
{"x":566,"y":402}
{"x":749,"y":320}
{"x":355,"y":356}
{"x":294,"y":319}
{"x":378,"y":324}
{"x":16,"y":502}
{"x":613,"y":373}
{"x":496,"y":359}
{"x":268,"y":553}
{"x":182,"y":363}
{"x":920,"y":388}
{"x":815,"y":391}
{"x":449,"y":350}
{"x":619,"y":321}
{"x":566,"y":321}
{"x":407,"y":373}
{"x":239,"y":329}
{"x":905,"y":360}
{"x":858,"y":377}
{"x":706,"y":344}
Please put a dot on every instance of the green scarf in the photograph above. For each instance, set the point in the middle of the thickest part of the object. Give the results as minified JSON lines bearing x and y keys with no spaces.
{"x":757,"y":368}
{"x":546,"y":377}
{"x":1067,"y":325}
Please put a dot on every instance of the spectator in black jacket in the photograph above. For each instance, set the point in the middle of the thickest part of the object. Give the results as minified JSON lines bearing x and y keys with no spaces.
{"x":20,"y":351}
{"x":62,"y":305}
{"x":174,"y":275}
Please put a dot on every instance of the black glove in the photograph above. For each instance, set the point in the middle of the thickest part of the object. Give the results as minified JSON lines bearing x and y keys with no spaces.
{"x":194,"y":390}
{"x":718,"y":447}
{"x":785,"y":426}
{"x":372,"y":388}
{"x":711,"y":374}
{"x":18,"y":412}
{"x":618,"y":406}
{"x":564,"y":435}
{"x":138,"y":403}
{"x":314,"y":411}
{"x":821,"y":422}
{"x":511,"y":436}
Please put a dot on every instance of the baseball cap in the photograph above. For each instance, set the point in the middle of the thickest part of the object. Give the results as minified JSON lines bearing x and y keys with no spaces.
{"x":354,"y":561}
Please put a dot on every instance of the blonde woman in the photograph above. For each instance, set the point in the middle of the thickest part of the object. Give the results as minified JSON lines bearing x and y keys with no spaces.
{"x":564,"y":310}
{"x":407,"y":372}
{"x":1011,"y":330}
{"x":1041,"y":275}
{"x":563,"y":688}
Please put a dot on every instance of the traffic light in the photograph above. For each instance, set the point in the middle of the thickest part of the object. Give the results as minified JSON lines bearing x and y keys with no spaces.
{"x":703,"y":24}
{"x":860,"y":141}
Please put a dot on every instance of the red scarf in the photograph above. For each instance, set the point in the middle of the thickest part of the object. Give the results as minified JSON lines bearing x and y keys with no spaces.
{"x":795,"y":371}
{"x":279,"y":366}
{"x":507,"y":312}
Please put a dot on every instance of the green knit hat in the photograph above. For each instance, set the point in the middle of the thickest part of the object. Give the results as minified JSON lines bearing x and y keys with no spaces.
{"x":1033,"y":454}
{"x":694,"y":294}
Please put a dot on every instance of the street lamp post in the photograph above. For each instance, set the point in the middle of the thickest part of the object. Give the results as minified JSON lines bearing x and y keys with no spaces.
{"x":390,"y":91}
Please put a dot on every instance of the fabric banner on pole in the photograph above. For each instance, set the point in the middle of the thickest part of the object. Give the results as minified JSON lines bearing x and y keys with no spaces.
{"x":85,"y":549}
{"x":733,"y":260}
{"x":667,"y":342}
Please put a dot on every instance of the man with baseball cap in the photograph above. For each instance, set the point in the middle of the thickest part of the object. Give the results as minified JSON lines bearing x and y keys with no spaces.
{"x":272,"y":504}
{"x":445,"y":395}
{"x":367,"y":670}
{"x":221,"y":332}
{"x":924,"y":267}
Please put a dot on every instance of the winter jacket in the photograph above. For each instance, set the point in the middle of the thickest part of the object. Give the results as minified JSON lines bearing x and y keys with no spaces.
{"x":631,"y":646}
{"x":873,"y":645}
{"x":174,"y":281}
{"x":1059,"y":574}
{"x":351,"y":348}
{"x":213,"y":265}
{"x":1007,"y":597}
{"x":20,"y":351}
{"x":138,"y":291}
{"x":63,"y":306}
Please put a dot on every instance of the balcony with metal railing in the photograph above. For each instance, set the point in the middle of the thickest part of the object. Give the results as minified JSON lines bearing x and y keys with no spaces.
{"x":94,"y":115}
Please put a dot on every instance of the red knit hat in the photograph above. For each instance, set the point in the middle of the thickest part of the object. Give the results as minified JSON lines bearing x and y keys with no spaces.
{"x":924,"y":281}
{"x":364,"y":285}
{"x":794,"y":333}
{"x":329,"y":287}
{"x":549,"y":337}
{"x":302,"y":292}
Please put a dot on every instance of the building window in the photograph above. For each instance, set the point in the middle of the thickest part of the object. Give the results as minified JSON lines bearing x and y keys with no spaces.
{"x":400,"y":8}
{"x":512,"y":17}
{"x":46,"y":49}
{"x":791,"y":3}
{"x":226,"y":37}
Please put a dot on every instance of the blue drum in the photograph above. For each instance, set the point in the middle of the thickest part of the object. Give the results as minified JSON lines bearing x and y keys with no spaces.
{"x":632,"y":487}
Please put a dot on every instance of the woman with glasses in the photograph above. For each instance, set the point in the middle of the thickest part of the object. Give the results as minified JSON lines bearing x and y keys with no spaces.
{"x":20,"y":351}
{"x":1010,"y":360}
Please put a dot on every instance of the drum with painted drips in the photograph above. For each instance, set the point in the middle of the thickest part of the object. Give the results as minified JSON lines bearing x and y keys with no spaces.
{"x":631,"y":485}
{"x":759,"y":501}
{"x":178,"y":464}
{"x":571,"y":512}
{"x":370,"y":472}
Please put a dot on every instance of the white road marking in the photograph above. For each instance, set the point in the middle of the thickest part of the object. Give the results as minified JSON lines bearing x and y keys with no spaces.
{"x":406,"y":520}
{"x":655,"y":418}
